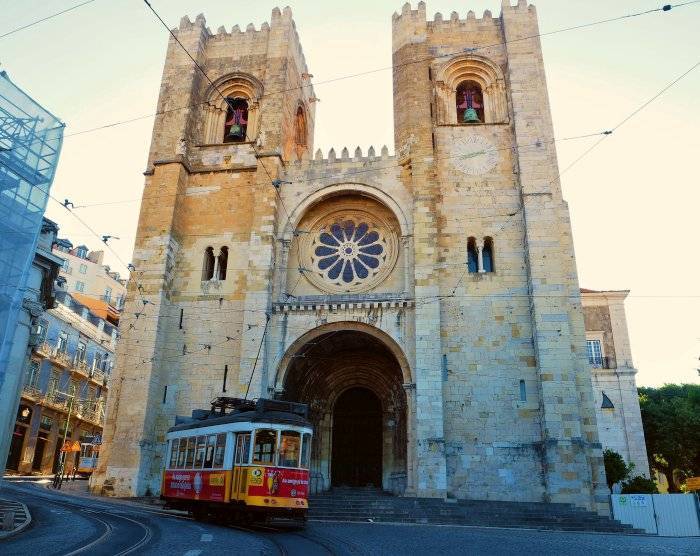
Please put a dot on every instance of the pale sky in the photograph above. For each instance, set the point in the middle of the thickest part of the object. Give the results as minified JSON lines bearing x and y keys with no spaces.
{"x":634,"y":200}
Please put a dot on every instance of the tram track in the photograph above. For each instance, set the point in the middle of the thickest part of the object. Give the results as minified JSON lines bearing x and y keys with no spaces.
{"x":107,"y":530}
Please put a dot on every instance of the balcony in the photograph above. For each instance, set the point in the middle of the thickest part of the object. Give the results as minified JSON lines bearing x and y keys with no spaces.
{"x":92,"y":412}
{"x":601,"y":362}
{"x":60,"y":358}
{"x":32,"y":393}
{"x":57,"y":401}
{"x":44,"y":349}
{"x":81,"y":367}
{"x":98,"y":376}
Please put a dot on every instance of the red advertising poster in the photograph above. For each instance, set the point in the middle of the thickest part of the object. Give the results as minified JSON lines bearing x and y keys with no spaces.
{"x":195,"y":485}
{"x":278,"y":481}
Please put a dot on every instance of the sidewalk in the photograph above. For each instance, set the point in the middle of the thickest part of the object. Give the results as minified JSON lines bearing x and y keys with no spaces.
{"x":22,"y":518}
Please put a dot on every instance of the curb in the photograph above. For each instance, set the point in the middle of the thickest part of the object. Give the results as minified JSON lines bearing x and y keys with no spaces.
{"x":8,"y":504}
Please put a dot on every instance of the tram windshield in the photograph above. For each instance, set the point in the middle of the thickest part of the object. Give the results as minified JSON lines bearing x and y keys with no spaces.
{"x":264,"y":447}
{"x":290,"y":446}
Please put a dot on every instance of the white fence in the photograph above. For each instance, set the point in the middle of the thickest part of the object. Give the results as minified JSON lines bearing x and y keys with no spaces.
{"x":668,"y":515}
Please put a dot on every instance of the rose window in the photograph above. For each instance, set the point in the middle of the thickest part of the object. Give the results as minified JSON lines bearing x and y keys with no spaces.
{"x":350,"y":252}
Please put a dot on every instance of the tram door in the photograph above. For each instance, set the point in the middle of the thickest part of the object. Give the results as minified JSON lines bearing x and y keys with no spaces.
{"x":357,"y":439}
{"x":240,"y":469}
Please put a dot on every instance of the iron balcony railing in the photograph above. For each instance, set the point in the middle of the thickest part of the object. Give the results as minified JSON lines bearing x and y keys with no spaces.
{"x":60,"y":357}
{"x":601,"y":362}
{"x":32,"y":392}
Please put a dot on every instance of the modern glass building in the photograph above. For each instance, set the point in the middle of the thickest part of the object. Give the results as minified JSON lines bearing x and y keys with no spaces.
{"x":30,"y":143}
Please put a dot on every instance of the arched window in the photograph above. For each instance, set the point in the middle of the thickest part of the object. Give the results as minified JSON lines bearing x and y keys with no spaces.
{"x":470,"y":103}
{"x":236,"y":123}
{"x":223,"y":263}
{"x":208,"y":266}
{"x":472,"y":255}
{"x":300,"y":128}
{"x":487,"y":254}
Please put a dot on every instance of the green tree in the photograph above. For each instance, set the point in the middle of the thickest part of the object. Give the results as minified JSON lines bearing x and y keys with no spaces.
{"x":616,"y":470}
{"x":671,"y":420}
{"x":639,"y":485}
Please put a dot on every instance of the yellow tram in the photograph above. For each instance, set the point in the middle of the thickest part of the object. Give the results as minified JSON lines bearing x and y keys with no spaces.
{"x":249,"y":463}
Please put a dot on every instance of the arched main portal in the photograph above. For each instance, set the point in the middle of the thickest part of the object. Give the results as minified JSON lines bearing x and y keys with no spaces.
{"x":353,"y":384}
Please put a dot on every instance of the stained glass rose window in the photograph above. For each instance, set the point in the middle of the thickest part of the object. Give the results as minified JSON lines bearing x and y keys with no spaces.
{"x":349,"y":251}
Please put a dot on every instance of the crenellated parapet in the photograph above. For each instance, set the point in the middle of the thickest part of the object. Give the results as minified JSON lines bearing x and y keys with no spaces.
{"x":239,"y":39}
{"x":412,"y":25}
{"x":344,"y":157}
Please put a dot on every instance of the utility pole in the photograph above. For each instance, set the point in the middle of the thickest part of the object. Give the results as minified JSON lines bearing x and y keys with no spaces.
{"x":58,"y":478}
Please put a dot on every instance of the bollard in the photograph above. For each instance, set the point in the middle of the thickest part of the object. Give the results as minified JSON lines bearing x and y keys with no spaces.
{"x":8,"y":520}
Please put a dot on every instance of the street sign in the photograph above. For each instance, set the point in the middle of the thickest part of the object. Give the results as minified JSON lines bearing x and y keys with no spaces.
{"x":71,"y":446}
{"x":692,"y":483}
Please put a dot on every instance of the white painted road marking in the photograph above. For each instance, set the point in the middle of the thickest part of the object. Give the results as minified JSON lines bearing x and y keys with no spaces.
{"x":206,"y":537}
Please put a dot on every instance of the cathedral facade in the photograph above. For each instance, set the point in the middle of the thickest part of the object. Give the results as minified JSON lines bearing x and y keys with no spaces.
{"x":425,"y":304}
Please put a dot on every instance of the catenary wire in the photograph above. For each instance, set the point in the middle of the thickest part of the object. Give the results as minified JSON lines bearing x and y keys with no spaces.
{"x":31,"y":24}
{"x":665,"y":8}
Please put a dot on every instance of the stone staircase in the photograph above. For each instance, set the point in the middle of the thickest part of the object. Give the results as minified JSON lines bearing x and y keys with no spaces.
{"x":372,"y":505}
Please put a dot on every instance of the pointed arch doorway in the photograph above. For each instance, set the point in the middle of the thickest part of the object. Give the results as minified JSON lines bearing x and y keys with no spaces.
{"x":351,"y":376}
{"x":356,"y":459}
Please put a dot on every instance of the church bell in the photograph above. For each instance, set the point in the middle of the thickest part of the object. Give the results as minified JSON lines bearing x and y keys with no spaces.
{"x":236,"y":132}
{"x":470,"y":116}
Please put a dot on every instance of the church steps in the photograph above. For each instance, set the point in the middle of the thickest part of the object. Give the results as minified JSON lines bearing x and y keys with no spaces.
{"x":363,"y":505}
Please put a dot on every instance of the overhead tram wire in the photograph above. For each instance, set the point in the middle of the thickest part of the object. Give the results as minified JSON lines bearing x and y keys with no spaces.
{"x":664,"y":8}
{"x":557,"y":178}
{"x":605,"y":135}
{"x":23,"y":27}
{"x":536,"y":144}
{"x":274,"y":183}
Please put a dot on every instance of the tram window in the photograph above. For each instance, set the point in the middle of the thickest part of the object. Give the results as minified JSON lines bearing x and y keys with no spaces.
{"x":182,"y":450}
{"x":289,"y":449}
{"x":209,"y":455}
{"x":305,"y":451}
{"x":189,"y":459}
{"x":199,"y":453}
{"x":220,"y":450}
{"x":242,"y":448}
{"x":264,"y":449}
{"x":174,"y":445}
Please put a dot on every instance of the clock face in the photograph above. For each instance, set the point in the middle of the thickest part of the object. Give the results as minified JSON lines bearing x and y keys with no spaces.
{"x":474,"y":155}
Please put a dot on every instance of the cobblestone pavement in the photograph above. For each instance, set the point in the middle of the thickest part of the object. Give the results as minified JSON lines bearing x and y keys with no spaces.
{"x":65,"y":524}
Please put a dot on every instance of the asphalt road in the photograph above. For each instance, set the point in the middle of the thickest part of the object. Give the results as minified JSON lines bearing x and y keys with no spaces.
{"x":64,"y":524}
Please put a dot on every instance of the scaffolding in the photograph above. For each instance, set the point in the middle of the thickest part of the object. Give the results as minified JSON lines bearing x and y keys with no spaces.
{"x":30,"y":144}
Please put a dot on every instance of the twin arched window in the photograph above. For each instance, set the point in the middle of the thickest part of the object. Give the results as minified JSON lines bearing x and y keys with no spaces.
{"x":470,"y":103}
{"x":480,"y":257}
{"x":236,"y":123}
{"x":214,"y":267}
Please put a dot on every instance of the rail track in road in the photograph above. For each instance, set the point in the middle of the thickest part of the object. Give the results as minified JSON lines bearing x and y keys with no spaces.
{"x":114,"y":528}
{"x":121,"y":529}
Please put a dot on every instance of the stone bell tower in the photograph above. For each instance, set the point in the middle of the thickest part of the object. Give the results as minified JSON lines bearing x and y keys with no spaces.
{"x":473,"y":127}
{"x":190,"y":331}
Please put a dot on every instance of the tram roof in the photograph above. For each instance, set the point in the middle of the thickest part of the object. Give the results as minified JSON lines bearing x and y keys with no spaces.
{"x":273,"y":417}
